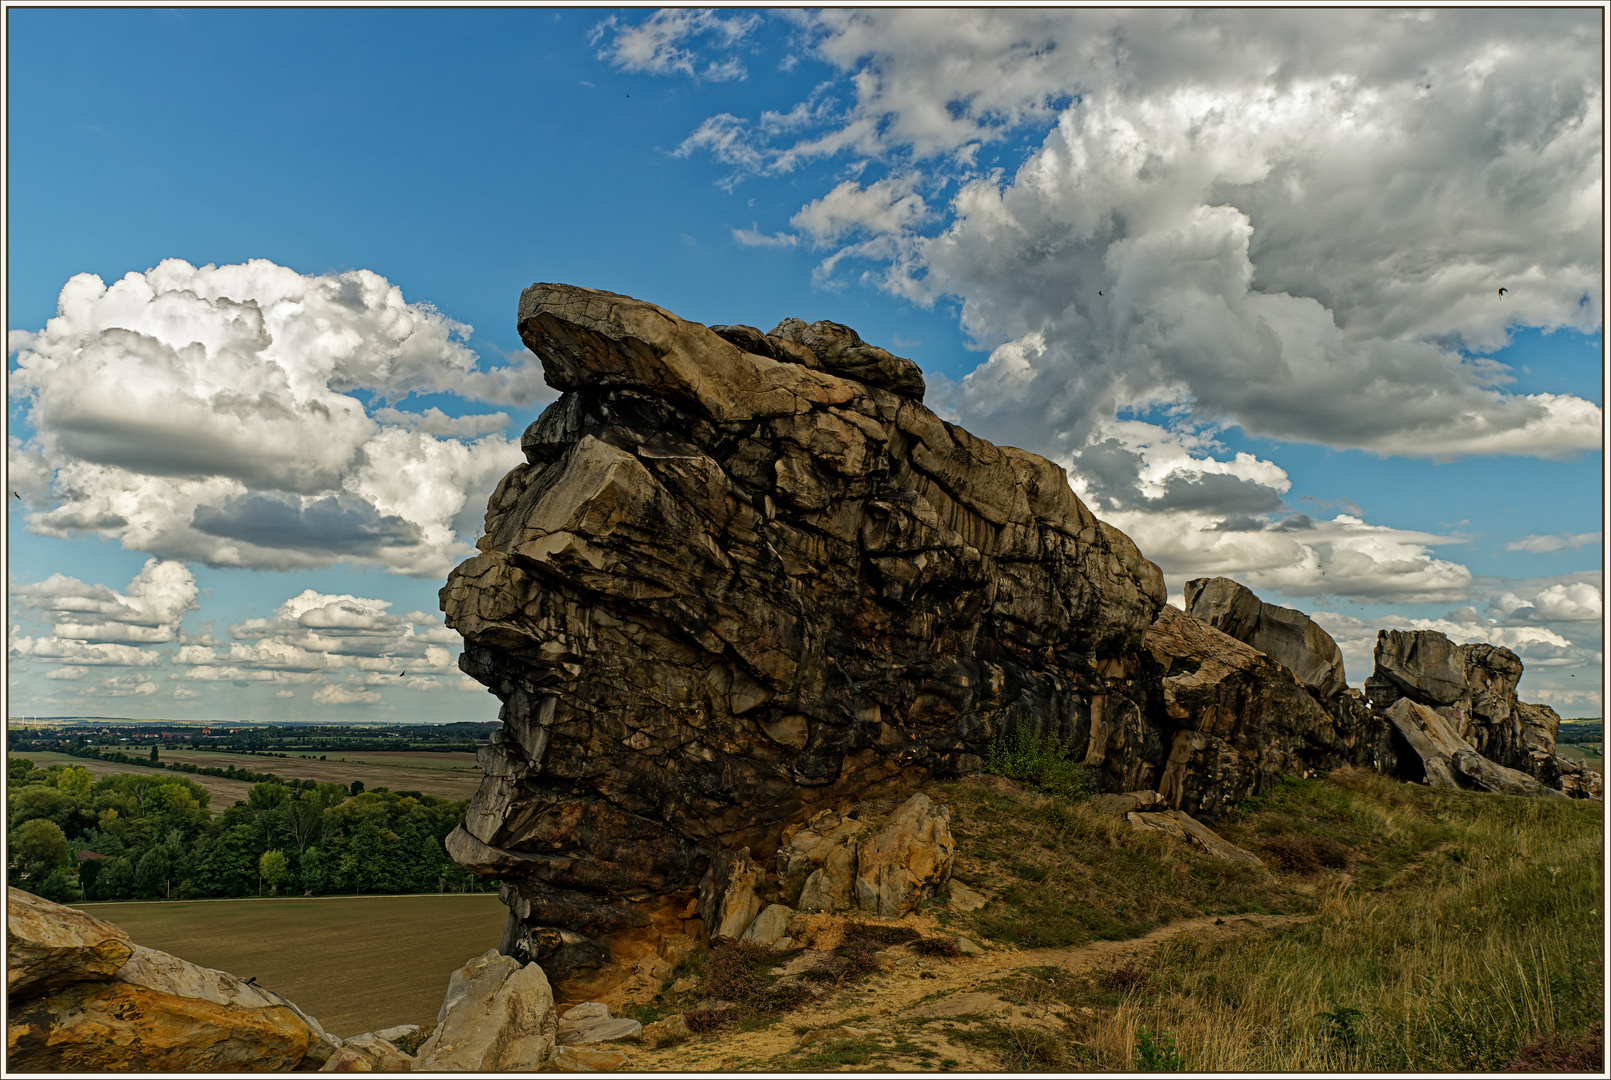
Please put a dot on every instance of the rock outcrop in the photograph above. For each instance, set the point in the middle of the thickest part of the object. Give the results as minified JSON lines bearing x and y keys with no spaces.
{"x":744,"y":578}
{"x":1287,"y":636}
{"x":740,"y":578}
{"x":1239,"y":720}
{"x":1473,"y":689}
{"x":92,"y":1001}
{"x":498,"y":1016}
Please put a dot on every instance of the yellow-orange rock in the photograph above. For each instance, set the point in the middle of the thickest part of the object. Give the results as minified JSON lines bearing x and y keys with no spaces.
{"x":49,"y":946}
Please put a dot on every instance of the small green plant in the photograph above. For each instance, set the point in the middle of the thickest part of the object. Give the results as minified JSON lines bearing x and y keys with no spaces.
{"x":410,"y":1044}
{"x":1157,"y":1053}
{"x":1344,"y":1027}
{"x":1041,"y":761}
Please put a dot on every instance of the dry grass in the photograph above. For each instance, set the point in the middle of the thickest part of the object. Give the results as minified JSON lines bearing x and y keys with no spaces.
{"x":355,"y":963}
{"x":1486,"y":942}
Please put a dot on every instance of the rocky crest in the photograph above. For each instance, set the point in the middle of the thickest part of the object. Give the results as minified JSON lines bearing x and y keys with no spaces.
{"x":745,"y":579}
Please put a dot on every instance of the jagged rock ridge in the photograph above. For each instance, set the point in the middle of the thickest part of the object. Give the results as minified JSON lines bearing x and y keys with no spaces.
{"x":746,"y":577}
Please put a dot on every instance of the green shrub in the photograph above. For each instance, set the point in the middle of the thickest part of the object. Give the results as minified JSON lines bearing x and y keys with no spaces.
{"x":1041,"y":761}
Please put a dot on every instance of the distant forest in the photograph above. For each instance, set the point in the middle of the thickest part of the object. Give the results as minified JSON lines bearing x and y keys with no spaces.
{"x":149,"y":837}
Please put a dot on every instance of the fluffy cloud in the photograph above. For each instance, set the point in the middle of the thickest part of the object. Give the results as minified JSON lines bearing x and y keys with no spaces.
{"x":1198,"y":515}
{"x":150,"y":611}
{"x":219,"y":414}
{"x":1296,"y":222}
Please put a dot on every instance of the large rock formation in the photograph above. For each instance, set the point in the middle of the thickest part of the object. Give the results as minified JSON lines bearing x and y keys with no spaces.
{"x":744,"y":579}
{"x":1473,"y":688}
{"x":1234,"y":720}
{"x":1287,"y":636}
{"x":740,"y":578}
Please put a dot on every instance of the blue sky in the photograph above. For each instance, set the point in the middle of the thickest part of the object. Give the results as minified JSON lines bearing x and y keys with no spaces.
{"x":1237,"y":271}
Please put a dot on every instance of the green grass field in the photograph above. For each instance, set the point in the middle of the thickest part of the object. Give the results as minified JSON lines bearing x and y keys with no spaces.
{"x":356,"y":964}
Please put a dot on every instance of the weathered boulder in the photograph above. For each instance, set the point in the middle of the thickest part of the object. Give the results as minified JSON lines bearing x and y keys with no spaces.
{"x":832,"y":887}
{"x":742,"y":577}
{"x":1449,"y":761}
{"x":805,"y":851}
{"x":497,"y":1016}
{"x":158,"y":1013}
{"x":908,"y":858}
{"x":591,"y":1022}
{"x":1188,"y":830}
{"x":727,"y":899}
{"x":1473,"y":688}
{"x":49,"y":946}
{"x":770,"y":925}
{"x":1285,"y":635}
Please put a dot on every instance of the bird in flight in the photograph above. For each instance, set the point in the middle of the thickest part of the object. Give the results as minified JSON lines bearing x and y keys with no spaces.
{"x":400,"y":674}
{"x":1502,"y":292}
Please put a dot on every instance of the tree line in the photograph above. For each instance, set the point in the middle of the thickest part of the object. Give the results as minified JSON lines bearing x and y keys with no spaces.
{"x":159,"y":840}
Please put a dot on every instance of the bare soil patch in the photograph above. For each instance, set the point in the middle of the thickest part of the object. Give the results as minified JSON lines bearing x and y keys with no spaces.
{"x":359,"y":963}
{"x":909,"y":1019}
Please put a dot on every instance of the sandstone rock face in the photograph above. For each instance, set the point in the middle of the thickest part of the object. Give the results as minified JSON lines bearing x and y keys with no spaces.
{"x":905,"y":860}
{"x":498,"y":1016}
{"x":1288,"y":637}
{"x":806,"y":851}
{"x":1239,"y":721}
{"x":744,"y":576}
{"x":49,"y":946}
{"x":1473,"y":688}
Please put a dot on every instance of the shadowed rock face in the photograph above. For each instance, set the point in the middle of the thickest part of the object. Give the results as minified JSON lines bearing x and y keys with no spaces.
{"x":742,"y":577}
{"x":1288,"y":637}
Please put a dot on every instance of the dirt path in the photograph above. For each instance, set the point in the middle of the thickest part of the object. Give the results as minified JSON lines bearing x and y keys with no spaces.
{"x":907,"y":1011}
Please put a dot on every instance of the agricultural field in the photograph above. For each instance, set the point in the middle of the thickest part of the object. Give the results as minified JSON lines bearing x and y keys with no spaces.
{"x":1591,"y":754}
{"x":450,"y":775}
{"x":355,"y":963}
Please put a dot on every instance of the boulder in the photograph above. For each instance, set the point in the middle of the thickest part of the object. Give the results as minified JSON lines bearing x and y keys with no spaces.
{"x":587,"y":1060}
{"x":908,"y":858}
{"x":770,"y":925}
{"x":727,"y":900}
{"x":591,"y":1022}
{"x":1449,"y":761}
{"x":159,"y":1013}
{"x":497,"y":1016}
{"x":805,"y":852}
{"x":1123,"y":803}
{"x":741,"y":578}
{"x":49,"y":946}
{"x":964,"y":899}
{"x":377,"y":1053}
{"x":1285,"y":635}
{"x":1186,"y":829}
{"x":833,"y":886}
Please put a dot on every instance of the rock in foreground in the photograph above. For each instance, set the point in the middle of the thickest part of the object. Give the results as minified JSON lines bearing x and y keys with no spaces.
{"x":151,"y":1012}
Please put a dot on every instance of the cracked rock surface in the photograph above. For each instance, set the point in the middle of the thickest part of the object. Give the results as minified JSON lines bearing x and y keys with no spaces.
{"x":743,"y":577}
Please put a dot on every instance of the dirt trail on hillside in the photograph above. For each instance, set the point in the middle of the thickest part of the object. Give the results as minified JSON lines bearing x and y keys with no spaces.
{"x":892,"y":1005}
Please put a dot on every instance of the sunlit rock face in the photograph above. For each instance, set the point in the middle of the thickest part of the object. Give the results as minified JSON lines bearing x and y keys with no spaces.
{"x":741,"y":577}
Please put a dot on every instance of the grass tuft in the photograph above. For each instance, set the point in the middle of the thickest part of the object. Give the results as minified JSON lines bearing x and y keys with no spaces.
{"x":1042,"y":762}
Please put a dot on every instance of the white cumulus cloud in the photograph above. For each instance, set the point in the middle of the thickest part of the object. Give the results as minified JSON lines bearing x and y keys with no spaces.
{"x":218,"y":414}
